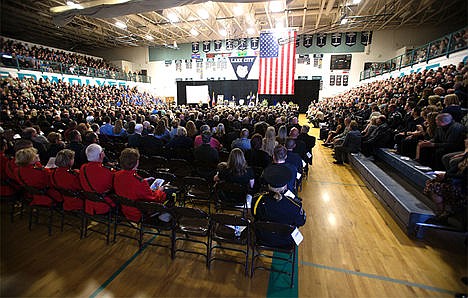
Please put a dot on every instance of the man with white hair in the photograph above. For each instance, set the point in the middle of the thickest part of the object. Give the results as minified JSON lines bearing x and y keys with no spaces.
{"x":96,"y":178}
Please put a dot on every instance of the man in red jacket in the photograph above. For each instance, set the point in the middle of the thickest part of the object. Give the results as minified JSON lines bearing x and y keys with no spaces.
{"x":94,"y":177}
{"x":128,"y":184}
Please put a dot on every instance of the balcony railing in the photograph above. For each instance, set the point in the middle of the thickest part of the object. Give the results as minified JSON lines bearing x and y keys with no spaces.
{"x":30,"y":63}
{"x":443,"y":46}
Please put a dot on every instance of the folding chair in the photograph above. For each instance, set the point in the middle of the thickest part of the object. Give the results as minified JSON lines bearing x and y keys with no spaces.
{"x":266,"y":234}
{"x":230,"y":232}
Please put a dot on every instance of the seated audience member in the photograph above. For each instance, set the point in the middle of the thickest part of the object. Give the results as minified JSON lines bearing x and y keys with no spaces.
{"x":301,"y":147}
{"x":277,"y":205}
{"x":243,"y":141}
{"x":7,"y":188}
{"x":151,"y":145}
{"x":256,"y":157}
{"x":448,"y":138}
{"x":76,"y":146}
{"x":269,"y":141}
{"x":31,"y":173}
{"x":118,"y":130}
{"x":452,"y":106}
{"x":128,"y":184}
{"x":214,"y":143}
{"x":449,"y":188}
{"x":180,"y":140}
{"x":107,"y":128}
{"x":292,"y":157}
{"x":55,"y":144}
{"x":221,"y":136}
{"x":63,"y":177}
{"x":96,"y":178}
{"x":205,"y":155}
{"x":282,"y":134}
{"x":279,"y":161}
{"x":308,"y":140}
{"x":161,"y":132}
{"x":236,"y":170}
{"x":351,"y":144}
{"x":381,"y":137}
{"x":134,"y":139}
{"x":30,"y":133}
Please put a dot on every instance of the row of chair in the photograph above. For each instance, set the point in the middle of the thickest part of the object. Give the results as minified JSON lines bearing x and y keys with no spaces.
{"x":215,"y":232}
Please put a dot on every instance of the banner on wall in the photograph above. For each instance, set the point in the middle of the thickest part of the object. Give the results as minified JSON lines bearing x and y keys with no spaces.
{"x":366,"y":37}
{"x":307,"y":42}
{"x":338,"y":80}
{"x":195,"y":47}
{"x":242,"y":44}
{"x":242,"y":66}
{"x":254,"y":42}
{"x":321,"y":39}
{"x":336,"y":39}
{"x":332,"y":80}
{"x":345,"y":80}
{"x":207,"y":46}
{"x":217,"y":45}
{"x":351,"y":38}
{"x":229,"y":45}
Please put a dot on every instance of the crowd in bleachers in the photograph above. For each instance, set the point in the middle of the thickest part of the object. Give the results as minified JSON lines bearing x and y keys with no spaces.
{"x":53,"y":60}
{"x":422,"y":116}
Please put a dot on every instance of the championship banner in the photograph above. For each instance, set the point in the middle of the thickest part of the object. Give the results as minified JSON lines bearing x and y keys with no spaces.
{"x":242,"y":44}
{"x":350,"y":38}
{"x":338,"y":80}
{"x":332,"y":80}
{"x":366,"y":37}
{"x":345,"y":80}
{"x":195,"y":47}
{"x":254,"y":42}
{"x":336,"y":39}
{"x":229,"y":45}
{"x":217,"y":45}
{"x":242,"y":66}
{"x":307,"y":40}
{"x":207,"y":46}
{"x":321,"y":39}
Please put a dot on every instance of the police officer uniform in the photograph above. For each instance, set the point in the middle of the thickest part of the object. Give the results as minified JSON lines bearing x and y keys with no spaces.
{"x":67,"y":179}
{"x":129,"y":185}
{"x":287,"y":210}
{"x":94,"y":177}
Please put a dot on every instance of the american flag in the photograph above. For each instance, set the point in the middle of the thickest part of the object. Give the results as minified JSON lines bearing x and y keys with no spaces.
{"x":277,"y":62}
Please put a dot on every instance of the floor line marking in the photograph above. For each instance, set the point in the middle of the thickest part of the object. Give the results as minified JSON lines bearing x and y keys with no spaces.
{"x":121,"y":268}
{"x":379,"y":277}
{"x":339,"y":183}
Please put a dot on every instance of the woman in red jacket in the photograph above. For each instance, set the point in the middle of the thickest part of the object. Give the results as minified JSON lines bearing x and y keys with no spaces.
{"x":65,"y":178}
{"x":128,"y":184}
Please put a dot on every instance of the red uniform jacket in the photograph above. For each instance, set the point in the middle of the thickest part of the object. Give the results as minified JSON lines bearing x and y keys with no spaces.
{"x":131,"y":186}
{"x":36,"y":176}
{"x":6,"y":189}
{"x":94,"y":177}
{"x":64,"y":178}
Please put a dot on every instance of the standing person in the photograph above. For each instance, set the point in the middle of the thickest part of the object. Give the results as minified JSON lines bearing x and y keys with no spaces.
{"x":96,"y":178}
{"x":128,"y":184}
{"x":64,"y":177}
{"x":276,"y":205}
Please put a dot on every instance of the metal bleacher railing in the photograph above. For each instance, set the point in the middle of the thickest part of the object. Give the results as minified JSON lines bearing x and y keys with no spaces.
{"x":31,"y":63}
{"x":444,"y":46}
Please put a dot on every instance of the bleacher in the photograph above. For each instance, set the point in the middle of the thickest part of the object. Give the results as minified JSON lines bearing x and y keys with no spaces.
{"x":397,"y":182}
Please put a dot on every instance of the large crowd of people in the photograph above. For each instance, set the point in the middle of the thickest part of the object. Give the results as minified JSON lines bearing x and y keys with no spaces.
{"x":421,"y":116}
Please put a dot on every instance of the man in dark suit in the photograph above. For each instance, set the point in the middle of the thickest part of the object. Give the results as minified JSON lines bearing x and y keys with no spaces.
{"x":351,"y":144}
{"x":151,"y":145}
{"x":205,"y":154}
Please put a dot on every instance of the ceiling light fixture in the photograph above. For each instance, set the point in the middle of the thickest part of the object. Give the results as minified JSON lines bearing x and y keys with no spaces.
{"x":344,"y":21}
{"x":276,"y":6}
{"x":194,"y":32}
{"x":279,"y":25}
{"x":223,"y":32}
{"x":70,"y":3}
{"x":173,"y":18}
{"x":238,"y":10}
{"x":250,"y":31}
{"x":356,"y":1}
{"x":149,"y":37}
{"x":120,"y":24}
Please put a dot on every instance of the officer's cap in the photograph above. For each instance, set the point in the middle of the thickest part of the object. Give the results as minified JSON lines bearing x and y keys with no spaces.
{"x":277,"y":175}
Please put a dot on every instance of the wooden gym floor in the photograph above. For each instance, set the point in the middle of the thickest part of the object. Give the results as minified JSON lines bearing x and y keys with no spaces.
{"x":351,"y":248}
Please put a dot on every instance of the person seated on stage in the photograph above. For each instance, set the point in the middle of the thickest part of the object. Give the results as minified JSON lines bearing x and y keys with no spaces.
{"x":243,"y":141}
{"x":277,"y":204}
{"x":63,"y":177}
{"x":128,"y":184}
{"x":449,"y":188}
{"x":30,"y":172}
{"x":351,"y":144}
{"x":96,"y":178}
